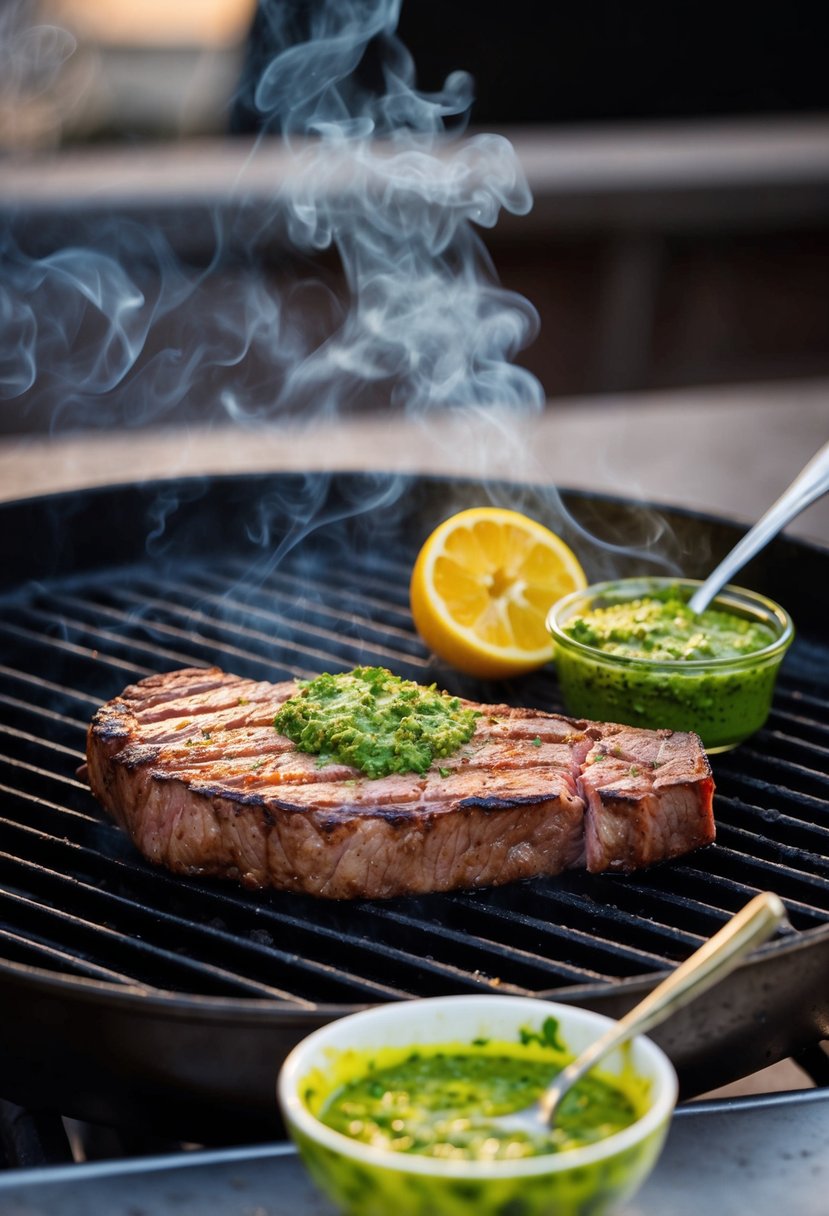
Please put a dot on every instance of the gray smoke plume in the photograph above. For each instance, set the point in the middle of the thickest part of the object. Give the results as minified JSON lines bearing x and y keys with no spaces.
{"x":379,"y":180}
{"x":379,"y":171}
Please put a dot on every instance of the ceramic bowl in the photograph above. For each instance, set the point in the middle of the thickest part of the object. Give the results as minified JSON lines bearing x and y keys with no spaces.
{"x":363,"y":1180}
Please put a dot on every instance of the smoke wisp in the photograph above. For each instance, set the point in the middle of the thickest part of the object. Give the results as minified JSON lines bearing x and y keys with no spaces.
{"x":114,"y":326}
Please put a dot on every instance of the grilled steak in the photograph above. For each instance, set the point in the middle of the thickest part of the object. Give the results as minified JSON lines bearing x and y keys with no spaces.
{"x":190,"y":765}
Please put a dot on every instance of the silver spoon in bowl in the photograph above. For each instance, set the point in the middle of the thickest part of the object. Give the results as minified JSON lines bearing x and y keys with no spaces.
{"x":707,"y":966}
{"x":810,"y":483}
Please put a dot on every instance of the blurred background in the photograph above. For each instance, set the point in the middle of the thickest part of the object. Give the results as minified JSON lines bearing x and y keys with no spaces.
{"x":678,"y":158}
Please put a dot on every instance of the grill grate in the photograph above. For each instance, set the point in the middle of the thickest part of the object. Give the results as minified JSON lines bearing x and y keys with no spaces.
{"x":75,"y":898}
{"x":136,"y":998}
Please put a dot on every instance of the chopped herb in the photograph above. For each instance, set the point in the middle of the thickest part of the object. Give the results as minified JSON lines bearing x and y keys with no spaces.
{"x":634,"y":770}
{"x":537,"y":741}
{"x":375,"y":721}
{"x":548,"y":1035}
{"x":662,"y":626}
{"x":444,"y":772}
{"x":445,"y":1105}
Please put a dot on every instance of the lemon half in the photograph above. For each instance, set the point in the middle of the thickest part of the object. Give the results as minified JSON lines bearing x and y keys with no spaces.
{"x":482,"y":586}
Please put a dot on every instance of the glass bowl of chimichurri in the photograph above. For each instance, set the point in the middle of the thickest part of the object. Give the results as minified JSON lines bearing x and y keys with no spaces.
{"x":632,"y":651}
{"x":391,"y":1107}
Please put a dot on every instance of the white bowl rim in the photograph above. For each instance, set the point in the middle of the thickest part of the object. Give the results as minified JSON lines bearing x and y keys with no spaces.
{"x":664,"y":1075}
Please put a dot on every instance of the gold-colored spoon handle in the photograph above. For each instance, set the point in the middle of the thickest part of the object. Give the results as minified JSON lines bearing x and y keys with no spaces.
{"x":707,"y":966}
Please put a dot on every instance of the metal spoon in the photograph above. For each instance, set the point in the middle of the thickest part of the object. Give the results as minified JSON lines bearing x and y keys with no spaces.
{"x":810,"y":483}
{"x":706,"y":967}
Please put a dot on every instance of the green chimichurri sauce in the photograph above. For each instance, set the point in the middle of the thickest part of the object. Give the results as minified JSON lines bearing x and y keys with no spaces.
{"x":652,"y":662}
{"x":667,"y":630}
{"x":438,"y":1103}
{"x":375,"y":721}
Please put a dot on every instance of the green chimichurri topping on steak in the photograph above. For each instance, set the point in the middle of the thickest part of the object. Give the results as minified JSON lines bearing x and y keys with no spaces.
{"x":523,"y":797}
{"x":375,"y":721}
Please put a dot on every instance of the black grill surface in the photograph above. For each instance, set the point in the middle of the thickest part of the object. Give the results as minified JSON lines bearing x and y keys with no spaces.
{"x":201,"y":576}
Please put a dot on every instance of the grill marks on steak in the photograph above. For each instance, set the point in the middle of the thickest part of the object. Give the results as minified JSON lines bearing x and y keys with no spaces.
{"x":189,"y":764}
{"x":649,"y":797}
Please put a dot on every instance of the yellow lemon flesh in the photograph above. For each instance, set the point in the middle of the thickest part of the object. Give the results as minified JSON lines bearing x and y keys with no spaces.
{"x":482,"y":586}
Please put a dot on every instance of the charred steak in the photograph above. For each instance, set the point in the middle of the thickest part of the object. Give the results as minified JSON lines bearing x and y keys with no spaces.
{"x":190,"y":765}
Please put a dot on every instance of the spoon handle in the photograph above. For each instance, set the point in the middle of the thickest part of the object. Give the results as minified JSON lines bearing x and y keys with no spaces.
{"x":706,"y":967}
{"x":810,"y":483}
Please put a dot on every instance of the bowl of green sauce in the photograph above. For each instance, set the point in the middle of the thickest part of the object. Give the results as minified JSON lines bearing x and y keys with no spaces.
{"x":632,"y":651}
{"x":391,"y":1109}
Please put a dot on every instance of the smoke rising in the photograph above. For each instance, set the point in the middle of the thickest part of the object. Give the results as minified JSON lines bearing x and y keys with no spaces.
{"x":116,"y":326}
{"x":383,"y":185}
{"x":381,"y":174}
